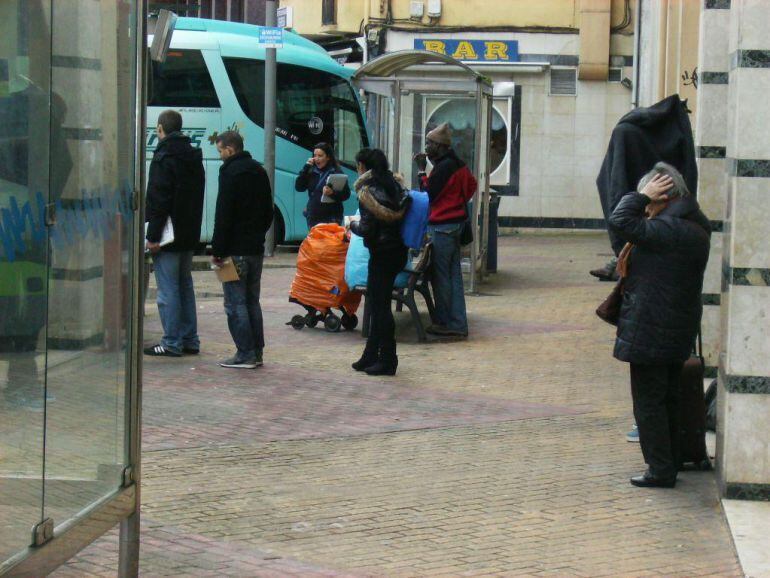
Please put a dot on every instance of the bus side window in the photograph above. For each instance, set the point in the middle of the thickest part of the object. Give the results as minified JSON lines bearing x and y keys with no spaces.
{"x":182,"y":81}
{"x":313,"y":105}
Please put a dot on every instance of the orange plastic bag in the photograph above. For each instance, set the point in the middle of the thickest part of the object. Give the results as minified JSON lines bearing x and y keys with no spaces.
{"x":320,"y":278}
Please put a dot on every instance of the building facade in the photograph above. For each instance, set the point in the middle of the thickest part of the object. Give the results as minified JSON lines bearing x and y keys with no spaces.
{"x":563,"y":67}
{"x":249,"y":11}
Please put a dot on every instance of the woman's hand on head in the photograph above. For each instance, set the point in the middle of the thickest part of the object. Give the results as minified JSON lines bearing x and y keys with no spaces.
{"x":657,"y":188}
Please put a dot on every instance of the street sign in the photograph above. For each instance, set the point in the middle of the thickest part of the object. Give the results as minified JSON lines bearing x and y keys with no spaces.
{"x":286,"y":17}
{"x":270,"y":37}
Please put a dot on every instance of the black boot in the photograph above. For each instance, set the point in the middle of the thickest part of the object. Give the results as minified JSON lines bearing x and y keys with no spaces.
{"x":368,"y":358}
{"x":387,"y":362}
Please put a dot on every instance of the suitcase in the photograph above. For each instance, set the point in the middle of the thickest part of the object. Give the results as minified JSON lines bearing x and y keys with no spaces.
{"x":692,"y":413}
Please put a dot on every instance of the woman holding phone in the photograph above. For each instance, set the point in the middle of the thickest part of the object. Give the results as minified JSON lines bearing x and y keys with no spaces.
{"x":324,"y":204}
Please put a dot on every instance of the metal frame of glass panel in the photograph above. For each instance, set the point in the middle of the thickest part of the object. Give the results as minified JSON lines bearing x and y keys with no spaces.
{"x":390,"y":80}
{"x":51,"y":545}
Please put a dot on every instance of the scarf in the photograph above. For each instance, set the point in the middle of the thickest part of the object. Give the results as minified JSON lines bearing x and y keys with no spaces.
{"x":652,"y":210}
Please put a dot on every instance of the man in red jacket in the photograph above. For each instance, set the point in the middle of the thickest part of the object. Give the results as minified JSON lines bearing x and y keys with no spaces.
{"x":450,"y":186}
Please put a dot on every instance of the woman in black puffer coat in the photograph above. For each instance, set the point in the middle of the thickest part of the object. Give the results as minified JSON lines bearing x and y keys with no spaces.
{"x":383,"y":203}
{"x":662,"y":265}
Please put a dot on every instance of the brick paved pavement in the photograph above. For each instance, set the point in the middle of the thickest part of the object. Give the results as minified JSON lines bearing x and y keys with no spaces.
{"x":503,"y":455}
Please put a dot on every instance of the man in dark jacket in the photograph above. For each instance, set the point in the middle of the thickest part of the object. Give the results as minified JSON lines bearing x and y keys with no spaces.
{"x":244,"y":214}
{"x":450,"y":186}
{"x":663,"y":268}
{"x":175,"y":191}
{"x":643,"y":137}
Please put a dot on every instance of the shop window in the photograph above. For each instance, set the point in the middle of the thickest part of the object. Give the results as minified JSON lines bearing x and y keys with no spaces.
{"x":329,"y":12}
{"x":563,"y":82}
{"x":182,"y":81}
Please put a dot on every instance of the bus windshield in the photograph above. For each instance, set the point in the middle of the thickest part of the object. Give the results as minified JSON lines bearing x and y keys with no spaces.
{"x":313,"y":106}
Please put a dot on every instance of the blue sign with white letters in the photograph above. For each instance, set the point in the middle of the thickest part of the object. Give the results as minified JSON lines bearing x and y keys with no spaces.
{"x":472,"y":50}
{"x":270,"y":37}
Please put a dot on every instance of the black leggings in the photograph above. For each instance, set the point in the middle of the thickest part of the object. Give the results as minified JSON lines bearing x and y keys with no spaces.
{"x":655,"y":391}
{"x":384,"y":266}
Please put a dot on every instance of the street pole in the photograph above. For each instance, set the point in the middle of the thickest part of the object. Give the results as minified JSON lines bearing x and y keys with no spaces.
{"x":271,"y":19}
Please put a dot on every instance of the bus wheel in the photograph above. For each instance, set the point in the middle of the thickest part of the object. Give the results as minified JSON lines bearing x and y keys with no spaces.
{"x":279,"y":226}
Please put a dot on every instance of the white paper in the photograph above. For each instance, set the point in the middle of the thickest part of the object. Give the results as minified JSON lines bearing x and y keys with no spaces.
{"x":166,"y":237}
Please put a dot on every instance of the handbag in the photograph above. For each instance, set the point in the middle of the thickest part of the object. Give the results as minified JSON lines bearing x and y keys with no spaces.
{"x":609,"y":310}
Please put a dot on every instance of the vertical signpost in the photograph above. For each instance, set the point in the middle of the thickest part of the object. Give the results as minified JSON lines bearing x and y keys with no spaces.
{"x":271,"y":37}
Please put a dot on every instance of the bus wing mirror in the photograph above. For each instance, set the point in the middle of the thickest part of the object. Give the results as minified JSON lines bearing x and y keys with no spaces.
{"x":161,"y":40}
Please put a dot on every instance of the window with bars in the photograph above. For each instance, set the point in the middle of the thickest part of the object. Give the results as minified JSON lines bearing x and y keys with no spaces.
{"x":329,"y":12}
{"x":563,"y":82}
{"x":178,"y":7}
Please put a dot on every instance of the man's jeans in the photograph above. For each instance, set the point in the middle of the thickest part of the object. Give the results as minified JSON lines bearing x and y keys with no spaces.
{"x":176,"y":300}
{"x":244,"y":315}
{"x":447,"y":277}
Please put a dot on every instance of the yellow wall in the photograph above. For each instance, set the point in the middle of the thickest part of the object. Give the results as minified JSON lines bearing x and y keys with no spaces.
{"x":683,"y":32}
{"x":466,"y":13}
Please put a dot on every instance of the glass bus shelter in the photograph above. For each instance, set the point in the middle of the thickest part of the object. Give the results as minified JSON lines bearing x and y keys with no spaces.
{"x":71,"y":140}
{"x":408,"y":94}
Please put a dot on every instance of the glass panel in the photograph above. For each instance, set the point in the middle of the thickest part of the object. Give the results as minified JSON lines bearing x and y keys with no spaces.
{"x":24,"y":119}
{"x":313,"y":106}
{"x":92,"y":142}
{"x":182,"y":81}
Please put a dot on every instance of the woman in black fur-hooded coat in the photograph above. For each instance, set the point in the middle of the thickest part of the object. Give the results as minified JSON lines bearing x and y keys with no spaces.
{"x":383,"y":203}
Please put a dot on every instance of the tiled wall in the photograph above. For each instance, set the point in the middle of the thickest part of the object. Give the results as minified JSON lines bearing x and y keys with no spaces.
{"x":734,"y":145}
{"x":563,"y":142}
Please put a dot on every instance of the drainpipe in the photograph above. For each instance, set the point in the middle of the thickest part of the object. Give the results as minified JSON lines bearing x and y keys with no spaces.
{"x":637,"y":52}
{"x":367,"y":18}
{"x":662,"y":49}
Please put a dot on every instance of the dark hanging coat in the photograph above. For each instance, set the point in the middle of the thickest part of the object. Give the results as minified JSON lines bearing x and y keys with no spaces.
{"x":643,"y":137}
{"x":661,"y":310}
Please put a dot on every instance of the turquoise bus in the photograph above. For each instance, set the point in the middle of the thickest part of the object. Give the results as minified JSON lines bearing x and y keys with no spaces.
{"x":214,"y":76}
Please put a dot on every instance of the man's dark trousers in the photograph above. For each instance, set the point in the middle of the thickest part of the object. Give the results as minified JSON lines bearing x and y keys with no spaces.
{"x":655,"y":391}
{"x":244,"y":314}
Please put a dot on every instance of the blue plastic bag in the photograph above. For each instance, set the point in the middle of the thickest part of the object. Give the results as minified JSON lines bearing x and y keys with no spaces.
{"x":357,"y":265}
{"x":357,"y":262}
{"x":416,"y":220}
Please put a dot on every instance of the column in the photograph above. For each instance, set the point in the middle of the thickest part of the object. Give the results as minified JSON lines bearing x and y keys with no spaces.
{"x":710,"y":143}
{"x":743,"y":437}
